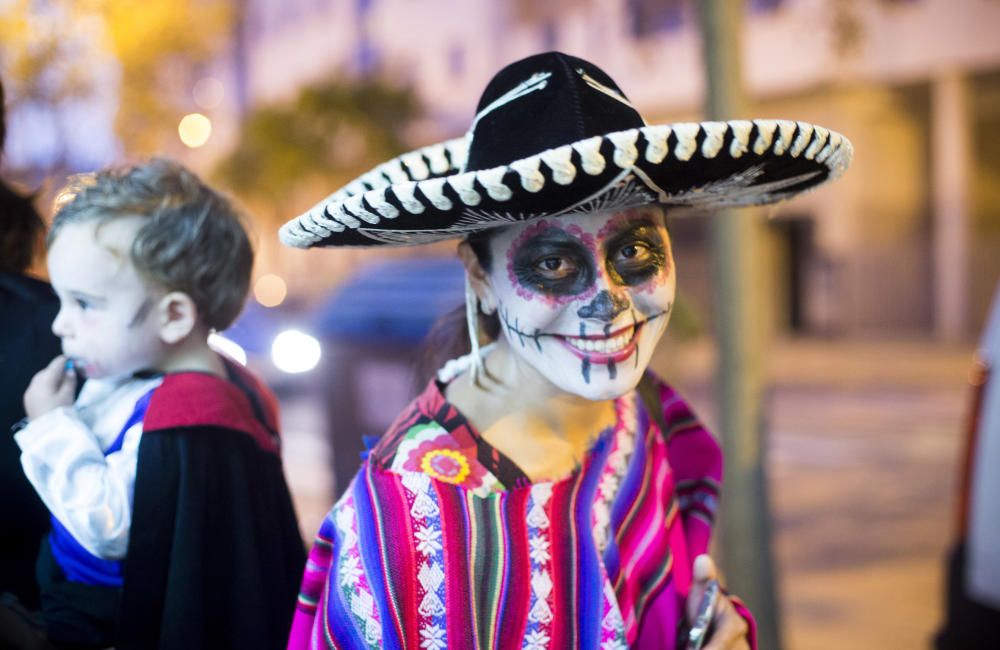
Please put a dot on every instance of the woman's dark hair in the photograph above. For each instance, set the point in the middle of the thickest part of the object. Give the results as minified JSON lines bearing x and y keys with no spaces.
{"x":449,"y":336}
{"x":3,"y":117}
{"x":21,"y":230}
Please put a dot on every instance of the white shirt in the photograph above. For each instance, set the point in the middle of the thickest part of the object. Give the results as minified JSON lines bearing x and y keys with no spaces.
{"x":62,"y":453}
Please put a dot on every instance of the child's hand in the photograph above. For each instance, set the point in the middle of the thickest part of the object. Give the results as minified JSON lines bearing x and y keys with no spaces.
{"x":728,"y":630}
{"x":53,"y":386}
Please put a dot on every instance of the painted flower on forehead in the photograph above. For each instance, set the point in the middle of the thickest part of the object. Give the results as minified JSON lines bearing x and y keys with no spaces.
{"x":584,"y":299}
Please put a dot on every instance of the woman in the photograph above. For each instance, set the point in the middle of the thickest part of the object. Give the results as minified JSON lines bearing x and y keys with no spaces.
{"x":544,"y":491}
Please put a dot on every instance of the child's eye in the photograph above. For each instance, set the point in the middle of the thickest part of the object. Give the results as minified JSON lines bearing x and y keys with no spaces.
{"x":81,"y":303}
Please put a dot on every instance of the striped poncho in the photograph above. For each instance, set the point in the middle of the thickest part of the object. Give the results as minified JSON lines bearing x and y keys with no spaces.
{"x":442,"y":542}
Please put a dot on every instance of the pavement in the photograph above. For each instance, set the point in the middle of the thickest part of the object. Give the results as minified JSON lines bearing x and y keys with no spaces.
{"x":862,"y":457}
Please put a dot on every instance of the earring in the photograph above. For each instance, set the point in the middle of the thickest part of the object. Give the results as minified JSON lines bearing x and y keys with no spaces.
{"x":487,"y":306}
{"x":472,"y":321}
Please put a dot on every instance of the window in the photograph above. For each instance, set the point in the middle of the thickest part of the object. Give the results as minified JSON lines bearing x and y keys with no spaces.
{"x":550,"y":35}
{"x":763,"y":6}
{"x":366,"y":57}
{"x":456,"y":61}
{"x":648,"y":17}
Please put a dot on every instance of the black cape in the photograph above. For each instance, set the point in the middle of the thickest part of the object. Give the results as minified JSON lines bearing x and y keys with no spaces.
{"x":214,"y":557}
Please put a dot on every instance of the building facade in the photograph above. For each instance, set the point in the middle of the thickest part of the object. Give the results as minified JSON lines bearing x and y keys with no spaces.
{"x":908,"y":242}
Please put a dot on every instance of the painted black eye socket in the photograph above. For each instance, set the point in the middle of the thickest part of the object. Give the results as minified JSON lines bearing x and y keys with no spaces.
{"x":554,"y":263}
{"x":636,"y":255}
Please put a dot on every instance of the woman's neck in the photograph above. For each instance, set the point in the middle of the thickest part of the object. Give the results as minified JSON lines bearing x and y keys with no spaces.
{"x":543,"y":429}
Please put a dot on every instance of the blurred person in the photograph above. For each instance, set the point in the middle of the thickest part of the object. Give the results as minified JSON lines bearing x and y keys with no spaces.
{"x":972,"y":617}
{"x":172,"y":525}
{"x":27,"y":344}
{"x":544,"y":491}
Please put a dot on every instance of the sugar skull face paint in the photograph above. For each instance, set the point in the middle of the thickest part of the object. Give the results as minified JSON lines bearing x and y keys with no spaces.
{"x":584,"y":299}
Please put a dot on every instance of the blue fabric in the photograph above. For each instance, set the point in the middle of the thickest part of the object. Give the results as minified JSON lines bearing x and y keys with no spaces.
{"x":591,"y":586}
{"x":77,"y":563}
{"x":396,"y":301}
{"x":368,"y":543}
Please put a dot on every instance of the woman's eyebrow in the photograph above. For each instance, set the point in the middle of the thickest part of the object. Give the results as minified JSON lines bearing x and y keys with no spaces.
{"x":632,"y":226}
{"x":629,"y":221}
{"x":551,"y":234}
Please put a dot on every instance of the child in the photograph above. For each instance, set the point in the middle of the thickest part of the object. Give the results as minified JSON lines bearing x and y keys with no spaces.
{"x":172,"y":523}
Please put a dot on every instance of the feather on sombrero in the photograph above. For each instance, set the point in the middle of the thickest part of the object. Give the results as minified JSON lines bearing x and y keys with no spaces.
{"x":554,"y":135}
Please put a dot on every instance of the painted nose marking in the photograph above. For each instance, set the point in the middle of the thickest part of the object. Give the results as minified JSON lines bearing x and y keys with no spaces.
{"x":605,"y":307}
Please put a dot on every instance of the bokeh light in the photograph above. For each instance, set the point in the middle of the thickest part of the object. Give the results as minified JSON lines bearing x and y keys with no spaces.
{"x":208,"y":93}
{"x":194,"y":130}
{"x":294,"y":351}
{"x":270,"y":290}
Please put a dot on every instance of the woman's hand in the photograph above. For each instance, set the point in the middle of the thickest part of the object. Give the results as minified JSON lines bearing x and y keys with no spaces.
{"x":728,"y":630}
{"x":53,"y":386}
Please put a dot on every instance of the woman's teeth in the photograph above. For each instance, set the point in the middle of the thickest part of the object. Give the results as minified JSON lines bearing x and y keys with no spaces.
{"x":602,"y":346}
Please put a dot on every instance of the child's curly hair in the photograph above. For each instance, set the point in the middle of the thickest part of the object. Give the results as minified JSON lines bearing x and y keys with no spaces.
{"x":193,"y":239}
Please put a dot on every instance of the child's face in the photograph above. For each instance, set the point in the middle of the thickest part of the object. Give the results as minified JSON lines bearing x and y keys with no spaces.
{"x":107,"y":316}
{"x":584,"y":299}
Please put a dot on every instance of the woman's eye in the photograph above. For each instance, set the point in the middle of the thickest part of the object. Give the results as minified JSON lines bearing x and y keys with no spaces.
{"x":555,"y":266}
{"x":633,"y":252}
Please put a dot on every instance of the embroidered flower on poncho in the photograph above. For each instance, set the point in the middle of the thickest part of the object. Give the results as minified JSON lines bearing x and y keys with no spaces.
{"x":441,"y":458}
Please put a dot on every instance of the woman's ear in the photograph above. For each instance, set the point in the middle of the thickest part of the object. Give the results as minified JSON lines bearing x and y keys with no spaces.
{"x":178,"y":316}
{"x":478,"y":277}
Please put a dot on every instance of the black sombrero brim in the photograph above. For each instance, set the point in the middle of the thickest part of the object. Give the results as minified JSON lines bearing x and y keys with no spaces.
{"x":424,"y":196}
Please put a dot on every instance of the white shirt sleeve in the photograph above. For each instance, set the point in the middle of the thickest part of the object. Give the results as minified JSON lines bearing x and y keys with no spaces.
{"x":90,"y":494}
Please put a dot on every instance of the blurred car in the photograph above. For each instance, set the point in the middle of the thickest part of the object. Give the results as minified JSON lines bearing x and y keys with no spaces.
{"x":973,"y":599}
{"x":372,"y":328}
{"x":354,"y":353}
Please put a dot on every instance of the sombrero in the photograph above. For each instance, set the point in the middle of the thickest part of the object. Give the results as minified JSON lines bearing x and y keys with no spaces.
{"x":554,"y":135}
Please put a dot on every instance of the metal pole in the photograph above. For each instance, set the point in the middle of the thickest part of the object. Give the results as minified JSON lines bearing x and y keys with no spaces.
{"x":744,"y":530}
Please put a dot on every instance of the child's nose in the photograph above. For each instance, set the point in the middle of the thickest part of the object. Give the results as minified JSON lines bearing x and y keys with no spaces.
{"x":60,"y":325}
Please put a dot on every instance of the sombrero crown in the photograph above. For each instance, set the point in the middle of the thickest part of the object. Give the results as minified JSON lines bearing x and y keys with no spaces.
{"x":554,"y":135}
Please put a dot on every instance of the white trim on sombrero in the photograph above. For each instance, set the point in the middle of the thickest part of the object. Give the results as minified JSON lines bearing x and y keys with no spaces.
{"x":537,"y":81}
{"x":607,"y":90}
{"x":620,"y":194}
{"x":365,"y":201}
{"x":624,"y":191}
